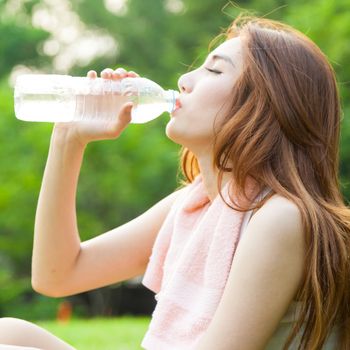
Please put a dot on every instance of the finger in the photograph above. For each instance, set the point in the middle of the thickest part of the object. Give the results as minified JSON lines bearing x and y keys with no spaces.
{"x":132,"y":74}
{"x":123,"y":119}
{"x":125,"y":113}
{"x":119,"y":73}
{"x":107,"y":73}
{"x":91,"y":74}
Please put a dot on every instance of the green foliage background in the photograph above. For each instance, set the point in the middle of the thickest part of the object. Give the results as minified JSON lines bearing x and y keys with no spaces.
{"x":120,"y":179}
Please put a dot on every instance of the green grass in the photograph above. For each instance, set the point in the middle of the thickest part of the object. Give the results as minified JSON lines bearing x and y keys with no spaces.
{"x":123,"y":333}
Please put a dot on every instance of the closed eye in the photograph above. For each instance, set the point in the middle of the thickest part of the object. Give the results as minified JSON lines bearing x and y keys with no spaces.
{"x":213,"y":71}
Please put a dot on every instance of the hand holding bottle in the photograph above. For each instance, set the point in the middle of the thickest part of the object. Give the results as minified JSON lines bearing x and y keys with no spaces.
{"x":89,"y":130}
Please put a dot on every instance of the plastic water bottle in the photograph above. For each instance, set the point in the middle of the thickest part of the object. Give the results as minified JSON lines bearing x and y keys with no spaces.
{"x":63,"y":98}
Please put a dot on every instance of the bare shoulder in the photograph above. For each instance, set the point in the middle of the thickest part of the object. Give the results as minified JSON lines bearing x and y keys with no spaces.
{"x":281,"y":218}
{"x":281,"y":205}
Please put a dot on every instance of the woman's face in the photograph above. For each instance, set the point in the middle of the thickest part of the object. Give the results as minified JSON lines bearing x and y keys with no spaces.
{"x":205,"y":96}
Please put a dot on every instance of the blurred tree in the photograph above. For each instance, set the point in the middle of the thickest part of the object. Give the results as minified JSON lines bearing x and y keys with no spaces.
{"x":19,"y":40}
{"x":18,"y":45}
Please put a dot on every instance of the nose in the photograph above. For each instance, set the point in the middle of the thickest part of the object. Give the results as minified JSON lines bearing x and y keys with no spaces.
{"x":184,"y":83}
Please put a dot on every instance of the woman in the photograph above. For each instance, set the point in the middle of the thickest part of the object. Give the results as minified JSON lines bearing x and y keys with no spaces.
{"x":253,"y":253}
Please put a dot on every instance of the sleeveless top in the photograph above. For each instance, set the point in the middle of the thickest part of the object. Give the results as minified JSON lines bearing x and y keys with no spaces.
{"x":189,"y":265}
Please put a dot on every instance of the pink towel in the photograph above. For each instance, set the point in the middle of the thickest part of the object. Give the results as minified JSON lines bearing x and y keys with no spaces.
{"x":189,"y":267}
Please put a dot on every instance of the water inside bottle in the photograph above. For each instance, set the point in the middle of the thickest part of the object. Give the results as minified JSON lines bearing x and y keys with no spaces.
{"x":143,"y":113}
{"x":148,"y":106}
{"x":51,"y":109}
{"x":98,"y":107}
{"x":48,"y":108}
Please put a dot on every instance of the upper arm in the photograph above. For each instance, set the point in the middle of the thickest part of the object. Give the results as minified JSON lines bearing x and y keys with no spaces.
{"x":265,"y":275}
{"x":119,"y":254}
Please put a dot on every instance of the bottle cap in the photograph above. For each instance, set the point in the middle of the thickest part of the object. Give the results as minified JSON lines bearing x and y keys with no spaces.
{"x":173,"y":100}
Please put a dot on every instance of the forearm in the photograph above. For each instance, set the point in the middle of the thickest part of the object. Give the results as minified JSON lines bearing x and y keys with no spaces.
{"x":56,"y":237}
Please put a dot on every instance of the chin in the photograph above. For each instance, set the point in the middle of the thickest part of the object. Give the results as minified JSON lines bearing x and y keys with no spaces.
{"x":174,"y":134}
{"x":194,"y":135}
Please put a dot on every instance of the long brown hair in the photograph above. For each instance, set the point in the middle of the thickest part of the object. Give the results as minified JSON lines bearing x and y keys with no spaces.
{"x":283,"y":131}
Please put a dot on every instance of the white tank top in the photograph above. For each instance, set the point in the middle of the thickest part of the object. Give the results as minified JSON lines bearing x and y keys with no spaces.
{"x":248,"y":214}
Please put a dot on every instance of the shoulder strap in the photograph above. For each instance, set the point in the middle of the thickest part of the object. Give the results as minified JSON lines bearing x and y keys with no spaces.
{"x":248,"y":215}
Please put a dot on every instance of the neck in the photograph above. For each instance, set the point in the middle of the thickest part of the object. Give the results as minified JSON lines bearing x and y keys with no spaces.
{"x":210,"y":176}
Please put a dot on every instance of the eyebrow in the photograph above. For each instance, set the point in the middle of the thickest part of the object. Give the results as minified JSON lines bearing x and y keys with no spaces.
{"x":224,"y":58}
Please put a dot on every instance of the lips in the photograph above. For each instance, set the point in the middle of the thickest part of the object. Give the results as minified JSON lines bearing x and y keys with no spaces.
{"x":178,"y":105}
